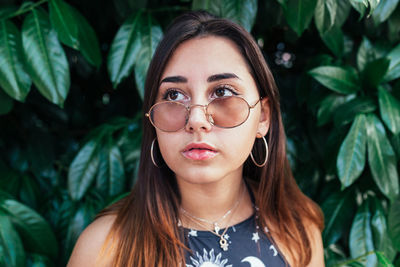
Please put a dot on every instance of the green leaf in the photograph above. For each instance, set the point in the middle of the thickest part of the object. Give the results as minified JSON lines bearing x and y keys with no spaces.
{"x":384,"y":10}
{"x":325,"y":14}
{"x":10,"y":181}
{"x":13,"y":78}
{"x":111,"y":175}
{"x":382,"y":241}
{"x":338,"y":211}
{"x":361,"y":241}
{"x":74,"y":31}
{"x":242,"y":12}
{"x":83,"y":170}
{"x":239,"y":11}
{"x":213,"y":7}
{"x":394,"y":26}
{"x":37,"y":260}
{"x":360,"y":6}
{"x":88,"y":43}
{"x":394,"y":66}
{"x":150,"y":37}
{"x":366,"y":53}
{"x":394,"y":222}
{"x":29,"y":191}
{"x":102,"y":172}
{"x":6,"y":103}
{"x":342,"y":13}
{"x":130,"y":147}
{"x":12,"y":252}
{"x":83,"y":216}
{"x":337,"y":79}
{"x":116,"y":171}
{"x":46,"y":60}
{"x":395,"y":142}
{"x":328,"y":107}
{"x":374,"y":72}
{"x":282,"y":2}
{"x":35,"y":232}
{"x":334,"y":40}
{"x":298,"y":14}
{"x":7,"y":11}
{"x":348,"y":111}
{"x":63,"y":21}
{"x":397,"y":262}
{"x":373,"y":4}
{"x":352,"y":154}
{"x":383,"y":260}
{"x":124,"y":49}
{"x":389,"y":108}
{"x":381,"y":158}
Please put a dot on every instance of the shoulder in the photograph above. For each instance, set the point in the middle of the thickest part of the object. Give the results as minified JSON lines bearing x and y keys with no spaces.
{"x":90,"y":243}
{"x":317,"y":251}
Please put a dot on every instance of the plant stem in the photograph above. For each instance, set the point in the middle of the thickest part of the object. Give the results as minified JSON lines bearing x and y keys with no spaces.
{"x":353,"y":260}
{"x":24,"y":10}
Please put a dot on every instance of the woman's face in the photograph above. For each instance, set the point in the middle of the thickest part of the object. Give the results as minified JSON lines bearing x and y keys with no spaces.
{"x":199,"y":71}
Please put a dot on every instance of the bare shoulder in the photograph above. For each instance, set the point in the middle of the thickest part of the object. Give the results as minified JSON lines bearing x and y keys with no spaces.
{"x":317,"y":248}
{"x":90,"y":243}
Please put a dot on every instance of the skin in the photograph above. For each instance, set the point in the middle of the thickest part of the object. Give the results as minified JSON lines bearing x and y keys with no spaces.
{"x":208,"y":187}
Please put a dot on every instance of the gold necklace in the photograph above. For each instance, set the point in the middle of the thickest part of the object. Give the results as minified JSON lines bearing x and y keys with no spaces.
{"x":222,"y":242}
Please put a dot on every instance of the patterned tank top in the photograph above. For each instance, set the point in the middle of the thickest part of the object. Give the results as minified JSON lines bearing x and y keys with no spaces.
{"x":247,"y":247}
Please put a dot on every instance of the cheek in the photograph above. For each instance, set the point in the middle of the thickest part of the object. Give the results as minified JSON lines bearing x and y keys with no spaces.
{"x":169,"y":145}
{"x":240,"y":144}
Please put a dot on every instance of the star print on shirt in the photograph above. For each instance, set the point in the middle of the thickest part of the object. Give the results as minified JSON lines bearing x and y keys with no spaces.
{"x":255,"y":237}
{"x":192,"y":232}
{"x":226,"y":236}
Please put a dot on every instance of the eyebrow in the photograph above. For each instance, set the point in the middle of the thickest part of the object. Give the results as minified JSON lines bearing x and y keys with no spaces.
{"x":221,"y":76}
{"x":174,"y":79}
{"x":212,"y":78}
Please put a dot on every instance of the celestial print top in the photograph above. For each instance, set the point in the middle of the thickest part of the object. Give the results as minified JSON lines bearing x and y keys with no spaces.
{"x":247,"y":247}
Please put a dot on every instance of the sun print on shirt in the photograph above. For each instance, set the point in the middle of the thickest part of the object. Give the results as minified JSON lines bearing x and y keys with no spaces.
{"x":208,"y":260}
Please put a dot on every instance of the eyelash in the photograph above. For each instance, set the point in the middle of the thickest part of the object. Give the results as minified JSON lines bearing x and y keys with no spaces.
{"x":225,"y":86}
{"x":168,"y":91}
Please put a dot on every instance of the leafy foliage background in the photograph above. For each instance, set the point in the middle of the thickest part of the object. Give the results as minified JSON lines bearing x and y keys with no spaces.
{"x":72,"y":76}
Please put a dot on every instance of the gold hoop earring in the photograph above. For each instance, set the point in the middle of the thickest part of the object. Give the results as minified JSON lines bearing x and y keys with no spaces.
{"x":151,"y":152}
{"x":266,"y":155}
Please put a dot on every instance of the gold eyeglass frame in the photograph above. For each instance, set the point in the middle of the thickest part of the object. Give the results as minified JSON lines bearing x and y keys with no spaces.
{"x":209,"y":117}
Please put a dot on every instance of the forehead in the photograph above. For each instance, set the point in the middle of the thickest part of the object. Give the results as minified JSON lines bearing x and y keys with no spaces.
{"x":201,"y":57}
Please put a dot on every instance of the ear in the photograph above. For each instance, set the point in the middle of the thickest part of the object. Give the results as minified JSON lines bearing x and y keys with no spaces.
{"x":263,"y":125}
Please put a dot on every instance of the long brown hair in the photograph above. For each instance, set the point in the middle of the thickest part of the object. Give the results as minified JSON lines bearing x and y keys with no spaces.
{"x":145,"y":231}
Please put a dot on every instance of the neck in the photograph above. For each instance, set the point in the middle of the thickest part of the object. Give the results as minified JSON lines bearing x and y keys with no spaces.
{"x":212,"y":201}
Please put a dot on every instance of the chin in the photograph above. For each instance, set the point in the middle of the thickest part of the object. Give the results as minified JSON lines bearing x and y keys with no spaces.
{"x":201,"y":175}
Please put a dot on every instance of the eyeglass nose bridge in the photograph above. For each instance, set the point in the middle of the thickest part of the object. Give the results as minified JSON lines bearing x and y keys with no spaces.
{"x":205,"y":109}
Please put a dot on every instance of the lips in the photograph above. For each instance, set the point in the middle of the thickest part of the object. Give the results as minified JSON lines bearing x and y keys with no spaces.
{"x":199,"y":151}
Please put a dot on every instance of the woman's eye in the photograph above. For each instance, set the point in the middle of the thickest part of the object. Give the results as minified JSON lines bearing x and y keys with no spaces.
{"x":173,"y":95}
{"x":224,"y":91}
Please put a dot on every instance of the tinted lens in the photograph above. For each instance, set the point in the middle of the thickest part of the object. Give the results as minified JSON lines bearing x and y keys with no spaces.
{"x":228,"y":112}
{"x":169,"y":116}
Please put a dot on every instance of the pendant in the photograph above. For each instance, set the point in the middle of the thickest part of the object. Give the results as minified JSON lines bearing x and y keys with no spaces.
{"x":216,"y":228}
{"x":223,"y":243}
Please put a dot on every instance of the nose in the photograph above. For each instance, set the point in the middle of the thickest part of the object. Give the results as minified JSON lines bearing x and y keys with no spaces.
{"x":198,"y":119}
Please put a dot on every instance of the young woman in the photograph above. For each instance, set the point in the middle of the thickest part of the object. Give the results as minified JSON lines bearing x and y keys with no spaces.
{"x":214,"y":187}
